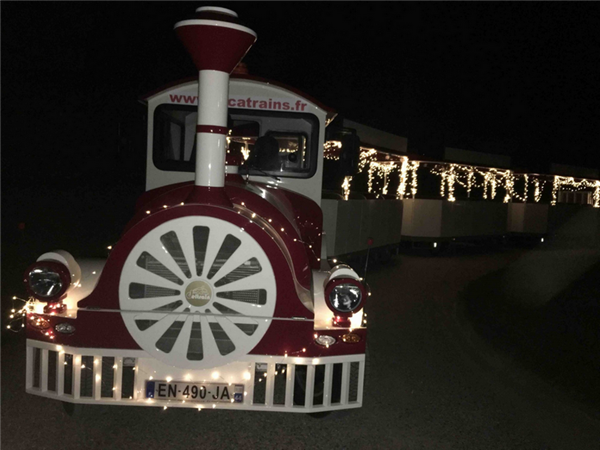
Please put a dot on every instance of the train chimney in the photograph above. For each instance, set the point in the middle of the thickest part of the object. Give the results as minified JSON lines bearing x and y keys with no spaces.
{"x":217,"y":42}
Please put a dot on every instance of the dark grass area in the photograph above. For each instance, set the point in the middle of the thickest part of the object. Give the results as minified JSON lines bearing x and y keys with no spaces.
{"x":559,"y":340}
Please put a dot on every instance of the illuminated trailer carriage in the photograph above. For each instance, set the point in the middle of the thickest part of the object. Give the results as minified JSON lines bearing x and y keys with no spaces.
{"x":219,"y":293}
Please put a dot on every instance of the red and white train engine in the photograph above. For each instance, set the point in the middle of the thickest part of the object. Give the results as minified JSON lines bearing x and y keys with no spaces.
{"x":219,"y":293}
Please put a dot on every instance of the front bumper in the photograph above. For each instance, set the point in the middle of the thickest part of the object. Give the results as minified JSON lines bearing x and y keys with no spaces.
{"x":271,"y":383}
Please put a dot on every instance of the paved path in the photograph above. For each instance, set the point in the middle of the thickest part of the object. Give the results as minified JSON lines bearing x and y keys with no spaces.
{"x":432,"y":385}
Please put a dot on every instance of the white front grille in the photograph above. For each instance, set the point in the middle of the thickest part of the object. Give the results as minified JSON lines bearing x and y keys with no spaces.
{"x":286,"y":384}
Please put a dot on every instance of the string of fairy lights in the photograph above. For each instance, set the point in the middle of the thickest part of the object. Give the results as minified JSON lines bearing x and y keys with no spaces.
{"x":380,"y":166}
{"x":570,"y":184}
{"x":18,"y":316}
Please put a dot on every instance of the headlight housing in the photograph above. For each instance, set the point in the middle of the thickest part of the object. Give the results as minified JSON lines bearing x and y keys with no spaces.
{"x":47,"y":281}
{"x":345,"y":296}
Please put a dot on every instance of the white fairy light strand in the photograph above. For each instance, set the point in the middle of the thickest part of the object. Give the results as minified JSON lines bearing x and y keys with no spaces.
{"x":403,"y":179}
{"x":331,"y":150}
{"x":346,"y":187}
{"x":465,"y":176}
{"x":538,"y":189}
{"x":559,"y":182}
{"x":414,"y":165}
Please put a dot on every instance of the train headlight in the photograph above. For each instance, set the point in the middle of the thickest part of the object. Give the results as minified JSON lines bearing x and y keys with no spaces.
{"x":47,"y":281}
{"x":345,"y":296}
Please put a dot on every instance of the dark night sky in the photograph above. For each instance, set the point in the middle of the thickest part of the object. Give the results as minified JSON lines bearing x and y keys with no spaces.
{"x":513,"y":78}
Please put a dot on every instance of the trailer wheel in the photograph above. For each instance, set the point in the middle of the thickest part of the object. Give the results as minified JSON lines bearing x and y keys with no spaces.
{"x":197,"y":292}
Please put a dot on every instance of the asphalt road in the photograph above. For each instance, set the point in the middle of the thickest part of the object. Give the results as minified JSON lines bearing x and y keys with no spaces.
{"x":433,"y":384}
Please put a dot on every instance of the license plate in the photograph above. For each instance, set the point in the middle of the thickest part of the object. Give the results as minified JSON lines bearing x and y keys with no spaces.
{"x":195,"y":392}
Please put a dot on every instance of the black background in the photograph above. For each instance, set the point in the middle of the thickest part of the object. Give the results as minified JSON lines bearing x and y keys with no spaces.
{"x":510,"y":78}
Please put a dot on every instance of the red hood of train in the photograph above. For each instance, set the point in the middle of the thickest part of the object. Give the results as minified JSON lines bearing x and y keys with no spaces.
{"x":297,"y":219}
{"x":99,"y":326}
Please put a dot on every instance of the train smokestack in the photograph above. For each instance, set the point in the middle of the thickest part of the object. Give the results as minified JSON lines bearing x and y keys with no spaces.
{"x":217,"y":42}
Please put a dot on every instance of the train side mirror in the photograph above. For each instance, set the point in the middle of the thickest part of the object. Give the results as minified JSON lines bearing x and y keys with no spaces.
{"x":349,"y":154}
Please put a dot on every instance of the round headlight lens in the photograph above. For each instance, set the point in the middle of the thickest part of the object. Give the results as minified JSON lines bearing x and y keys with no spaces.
{"x":45,"y":282}
{"x":345,"y":297}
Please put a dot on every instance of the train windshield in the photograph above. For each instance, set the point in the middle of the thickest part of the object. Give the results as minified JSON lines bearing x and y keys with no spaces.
{"x":262,"y":142}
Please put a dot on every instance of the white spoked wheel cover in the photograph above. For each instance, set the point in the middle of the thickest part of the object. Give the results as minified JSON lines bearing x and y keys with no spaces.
{"x":194,"y":292}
